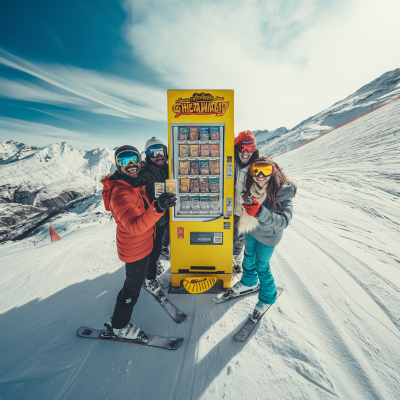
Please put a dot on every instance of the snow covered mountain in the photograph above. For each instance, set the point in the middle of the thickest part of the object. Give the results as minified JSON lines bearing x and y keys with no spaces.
{"x":12,"y":151}
{"x":38,"y":182}
{"x":375,"y":93}
{"x":333,"y":334}
{"x":265,"y":136}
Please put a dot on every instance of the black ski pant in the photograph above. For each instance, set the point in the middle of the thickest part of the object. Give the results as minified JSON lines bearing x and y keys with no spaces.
{"x":238,"y":239}
{"x":135,"y":273}
{"x":127,"y":297}
{"x":165,"y":240}
{"x":155,"y":254}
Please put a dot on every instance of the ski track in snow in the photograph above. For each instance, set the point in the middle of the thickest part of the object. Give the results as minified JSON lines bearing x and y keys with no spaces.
{"x":334,"y":332}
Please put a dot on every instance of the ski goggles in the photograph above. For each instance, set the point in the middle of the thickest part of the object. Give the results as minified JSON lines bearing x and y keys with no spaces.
{"x":262,"y":167}
{"x":128,"y":156}
{"x":157,"y":150}
{"x":249,"y":146}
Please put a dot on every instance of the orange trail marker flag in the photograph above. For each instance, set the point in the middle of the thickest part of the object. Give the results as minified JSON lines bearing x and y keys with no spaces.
{"x":54,"y":235}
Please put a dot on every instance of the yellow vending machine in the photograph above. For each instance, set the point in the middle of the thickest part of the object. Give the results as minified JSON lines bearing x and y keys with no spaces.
{"x":201,"y":160}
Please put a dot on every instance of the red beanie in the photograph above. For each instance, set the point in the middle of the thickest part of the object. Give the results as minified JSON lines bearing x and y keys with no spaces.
{"x":245,"y":136}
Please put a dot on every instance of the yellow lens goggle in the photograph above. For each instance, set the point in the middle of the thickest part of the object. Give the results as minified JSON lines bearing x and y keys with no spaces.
{"x":262,"y":167}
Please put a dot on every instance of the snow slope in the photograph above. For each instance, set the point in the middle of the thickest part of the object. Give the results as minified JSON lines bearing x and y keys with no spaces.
{"x":334,"y":333}
{"x":373,"y":94}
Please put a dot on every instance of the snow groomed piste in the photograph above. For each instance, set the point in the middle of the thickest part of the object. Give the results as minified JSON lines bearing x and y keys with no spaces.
{"x":334,"y":333}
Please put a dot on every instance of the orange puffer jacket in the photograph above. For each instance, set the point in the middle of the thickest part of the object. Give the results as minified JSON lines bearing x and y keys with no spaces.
{"x":135,"y":224}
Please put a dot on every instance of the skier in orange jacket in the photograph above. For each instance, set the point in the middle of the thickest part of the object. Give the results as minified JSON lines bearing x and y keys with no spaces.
{"x":124,"y":194}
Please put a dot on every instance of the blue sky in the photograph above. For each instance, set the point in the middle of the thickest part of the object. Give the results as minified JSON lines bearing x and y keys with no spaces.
{"x":95,"y":73}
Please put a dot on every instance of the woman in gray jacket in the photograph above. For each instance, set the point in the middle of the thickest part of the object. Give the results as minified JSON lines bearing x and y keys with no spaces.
{"x":267,"y":201}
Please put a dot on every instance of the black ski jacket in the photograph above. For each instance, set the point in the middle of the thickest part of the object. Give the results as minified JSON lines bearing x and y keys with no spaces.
{"x":151,"y":174}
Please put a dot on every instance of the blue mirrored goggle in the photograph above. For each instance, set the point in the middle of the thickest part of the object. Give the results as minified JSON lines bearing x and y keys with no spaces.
{"x":128,"y":156}
{"x":157,"y":150}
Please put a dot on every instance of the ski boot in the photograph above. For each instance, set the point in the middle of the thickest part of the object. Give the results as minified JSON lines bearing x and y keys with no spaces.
{"x":128,"y":332}
{"x":237,"y":290}
{"x":237,"y":265}
{"x":166,"y":253}
{"x":259,"y":310}
{"x":152,"y":286}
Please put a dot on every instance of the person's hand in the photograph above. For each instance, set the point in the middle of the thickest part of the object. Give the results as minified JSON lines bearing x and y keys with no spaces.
{"x":166,"y":200}
{"x":252,"y":209}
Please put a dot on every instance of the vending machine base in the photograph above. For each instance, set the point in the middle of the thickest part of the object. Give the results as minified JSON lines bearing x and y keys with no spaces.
{"x":202,"y":250}
{"x":222,"y":282}
{"x":217,"y":288}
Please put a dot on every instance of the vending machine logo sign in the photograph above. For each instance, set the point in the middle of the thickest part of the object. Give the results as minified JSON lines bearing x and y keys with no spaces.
{"x":200,"y":104}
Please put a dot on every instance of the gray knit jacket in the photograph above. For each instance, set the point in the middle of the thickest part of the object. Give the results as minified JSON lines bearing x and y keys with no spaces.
{"x":273,"y":223}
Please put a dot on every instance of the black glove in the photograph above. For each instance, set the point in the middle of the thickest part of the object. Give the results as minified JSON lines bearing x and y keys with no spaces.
{"x":166,"y":200}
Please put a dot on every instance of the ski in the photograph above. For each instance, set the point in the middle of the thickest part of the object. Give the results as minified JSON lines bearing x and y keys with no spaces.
{"x":249,"y":325}
{"x":177,"y":315}
{"x":154,"y":341}
{"x":163,"y":280}
{"x":231,"y":295}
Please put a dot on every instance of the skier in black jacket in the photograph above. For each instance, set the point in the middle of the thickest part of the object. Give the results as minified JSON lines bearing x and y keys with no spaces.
{"x":156,"y":170}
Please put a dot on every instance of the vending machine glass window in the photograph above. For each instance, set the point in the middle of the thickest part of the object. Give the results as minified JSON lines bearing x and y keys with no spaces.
{"x":198,"y":165}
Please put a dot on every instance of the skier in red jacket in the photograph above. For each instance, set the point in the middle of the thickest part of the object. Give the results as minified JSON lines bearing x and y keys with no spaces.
{"x":124,"y":194}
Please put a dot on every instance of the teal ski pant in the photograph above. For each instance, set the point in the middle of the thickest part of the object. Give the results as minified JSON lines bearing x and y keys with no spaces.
{"x":256,"y":267}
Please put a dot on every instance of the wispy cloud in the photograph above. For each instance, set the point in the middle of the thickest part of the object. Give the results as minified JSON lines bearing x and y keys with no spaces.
{"x":28,"y":91}
{"x":58,"y":115}
{"x":286,"y":60}
{"x":83,"y":90}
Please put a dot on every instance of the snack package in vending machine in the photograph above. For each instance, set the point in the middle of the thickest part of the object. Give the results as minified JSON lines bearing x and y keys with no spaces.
{"x":204,"y":167}
{"x":194,"y":168}
{"x":214,"y":167}
{"x":214,"y":150}
{"x":214,"y":203}
{"x":183,"y":134}
{"x":184,"y":167}
{"x":185,"y":203}
{"x":205,"y":204}
{"x":194,"y":185}
{"x":194,"y":133}
{"x":214,"y":183}
{"x":204,"y":185}
{"x":205,"y":150}
{"x":214,"y":132}
{"x":184,"y":150}
{"x":185,"y":185}
{"x":195,"y":204}
{"x":194,"y":150}
{"x":204,"y":133}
